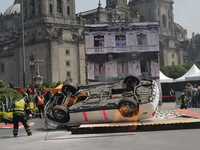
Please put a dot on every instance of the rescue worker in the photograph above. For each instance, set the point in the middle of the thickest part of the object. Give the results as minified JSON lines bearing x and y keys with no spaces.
{"x":184,"y":100}
{"x":48,"y":96}
{"x":19,"y":109}
{"x":28,"y":91}
{"x":40,"y":103}
{"x":26,"y":97}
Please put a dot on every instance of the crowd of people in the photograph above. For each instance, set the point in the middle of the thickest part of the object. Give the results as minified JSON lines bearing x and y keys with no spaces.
{"x":192,"y":93}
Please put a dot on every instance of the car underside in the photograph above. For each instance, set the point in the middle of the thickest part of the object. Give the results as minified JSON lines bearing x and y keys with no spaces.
{"x":109,"y":102}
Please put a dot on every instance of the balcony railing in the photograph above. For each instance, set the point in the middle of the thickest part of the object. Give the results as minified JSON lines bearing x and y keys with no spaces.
{"x":122,"y":49}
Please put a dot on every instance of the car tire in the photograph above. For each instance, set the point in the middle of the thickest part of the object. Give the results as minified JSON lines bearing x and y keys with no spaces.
{"x":132,"y":81}
{"x":69,"y":88}
{"x":60,"y":114}
{"x":128,"y":107}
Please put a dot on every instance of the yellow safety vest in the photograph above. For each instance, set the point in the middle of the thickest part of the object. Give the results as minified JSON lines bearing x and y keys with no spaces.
{"x":20,"y":105}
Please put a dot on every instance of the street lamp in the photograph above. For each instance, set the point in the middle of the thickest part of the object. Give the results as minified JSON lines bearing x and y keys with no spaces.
{"x":23,"y":47}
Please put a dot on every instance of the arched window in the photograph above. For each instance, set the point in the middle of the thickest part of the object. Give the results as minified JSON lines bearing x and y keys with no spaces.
{"x":39,"y":9}
{"x":169,"y":14}
{"x":59,"y":6}
{"x":164,"y":21}
{"x":159,"y":12}
{"x":68,"y":10}
{"x":51,"y":8}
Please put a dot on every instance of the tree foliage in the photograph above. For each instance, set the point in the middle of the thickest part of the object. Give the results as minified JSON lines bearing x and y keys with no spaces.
{"x":178,"y":71}
{"x":8,"y":92}
{"x":2,"y":84}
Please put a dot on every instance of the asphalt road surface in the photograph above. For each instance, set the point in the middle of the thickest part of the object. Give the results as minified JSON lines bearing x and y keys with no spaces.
{"x":43,"y":139}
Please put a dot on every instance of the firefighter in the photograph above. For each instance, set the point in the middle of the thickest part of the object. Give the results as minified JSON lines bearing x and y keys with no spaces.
{"x":184,"y":100}
{"x":40,"y":103}
{"x":19,"y":109}
{"x":26,"y":97}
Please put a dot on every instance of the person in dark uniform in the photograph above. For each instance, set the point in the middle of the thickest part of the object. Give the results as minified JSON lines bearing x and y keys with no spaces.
{"x":19,"y":109}
{"x":48,"y":96}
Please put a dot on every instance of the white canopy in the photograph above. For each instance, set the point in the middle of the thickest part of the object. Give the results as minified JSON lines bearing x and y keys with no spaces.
{"x":193,"y":70}
{"x":194,"y":77}
{"x":165,"y":79}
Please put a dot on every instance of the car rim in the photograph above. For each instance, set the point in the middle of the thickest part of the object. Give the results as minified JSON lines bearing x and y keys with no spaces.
{"x":128,"y":109}
{"x":59,"y":114}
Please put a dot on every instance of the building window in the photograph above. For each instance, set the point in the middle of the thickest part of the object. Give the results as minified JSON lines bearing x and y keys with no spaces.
{"x":67,"y":63}
{"x":25,"y":14}
{"x":67,"y":52}
{"x":2,"y":68}
{"x":16,"y":21}
{"x":142,"y":19}
{"x":99,"y":41}
{"x":173,"y":63}
{"x":142,"y":39}
{"x":51,"y":8}
{"x":59,"y":6}
{"x":122,"y":68}
{"x":39,"y":9}
{"x":68,"y":74}
{"x":68,"y":10}
{"x":172,"y":55}
{"x":145,"y":66}
{"x":164,"y":21}
{"x":169,"y":24}
{"x":120,"y":40}
{"x":39,"y":33}
{"x":159,"y":12}
{"x":169,"y":14}
{"x":99,"y":68}
{"x":33,"y":37}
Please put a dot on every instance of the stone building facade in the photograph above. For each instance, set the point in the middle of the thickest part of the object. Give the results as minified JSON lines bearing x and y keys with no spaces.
{"x":51,"y":34}
{"x":171,"y":34}
{"x":55,"y":34}
{"x":116,"y":50}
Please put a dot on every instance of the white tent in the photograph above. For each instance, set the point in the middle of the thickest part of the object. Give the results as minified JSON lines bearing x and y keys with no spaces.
{"x":193,"y":70}
{"x":194,"y":77}
{"x":165,"y":79}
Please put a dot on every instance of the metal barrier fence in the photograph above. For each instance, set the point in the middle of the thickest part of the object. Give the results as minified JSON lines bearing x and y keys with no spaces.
{"x":178,"y":101}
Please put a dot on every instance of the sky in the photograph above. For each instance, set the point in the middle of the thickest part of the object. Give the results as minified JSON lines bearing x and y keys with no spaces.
{"x":186,"y":12}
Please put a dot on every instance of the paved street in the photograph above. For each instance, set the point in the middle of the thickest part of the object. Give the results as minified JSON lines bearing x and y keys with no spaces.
{"x":62,"y":139}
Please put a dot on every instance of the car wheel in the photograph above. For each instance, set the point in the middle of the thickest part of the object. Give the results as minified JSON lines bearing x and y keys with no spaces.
{"x":69,"y":88}
{"x":60,"y":114}
{"x":132,"y":81}
{"x":128,"y":107}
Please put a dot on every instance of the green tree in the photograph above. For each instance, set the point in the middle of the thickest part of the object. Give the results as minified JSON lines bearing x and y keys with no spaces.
{"x":8,"y":92}
{"x":173,"y":71}
{"x":2,"y":84}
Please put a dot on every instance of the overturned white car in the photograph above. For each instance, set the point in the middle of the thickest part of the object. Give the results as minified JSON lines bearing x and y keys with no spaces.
{"x":126,"y":101}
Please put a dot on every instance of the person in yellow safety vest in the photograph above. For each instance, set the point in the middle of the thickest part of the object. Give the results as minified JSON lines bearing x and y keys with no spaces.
{"x":40,"y":103}
{"x":19,"y":109}
{"x":184,"y":100}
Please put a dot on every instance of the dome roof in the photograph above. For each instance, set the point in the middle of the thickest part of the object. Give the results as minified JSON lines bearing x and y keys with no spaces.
{"x":13,"y":9}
